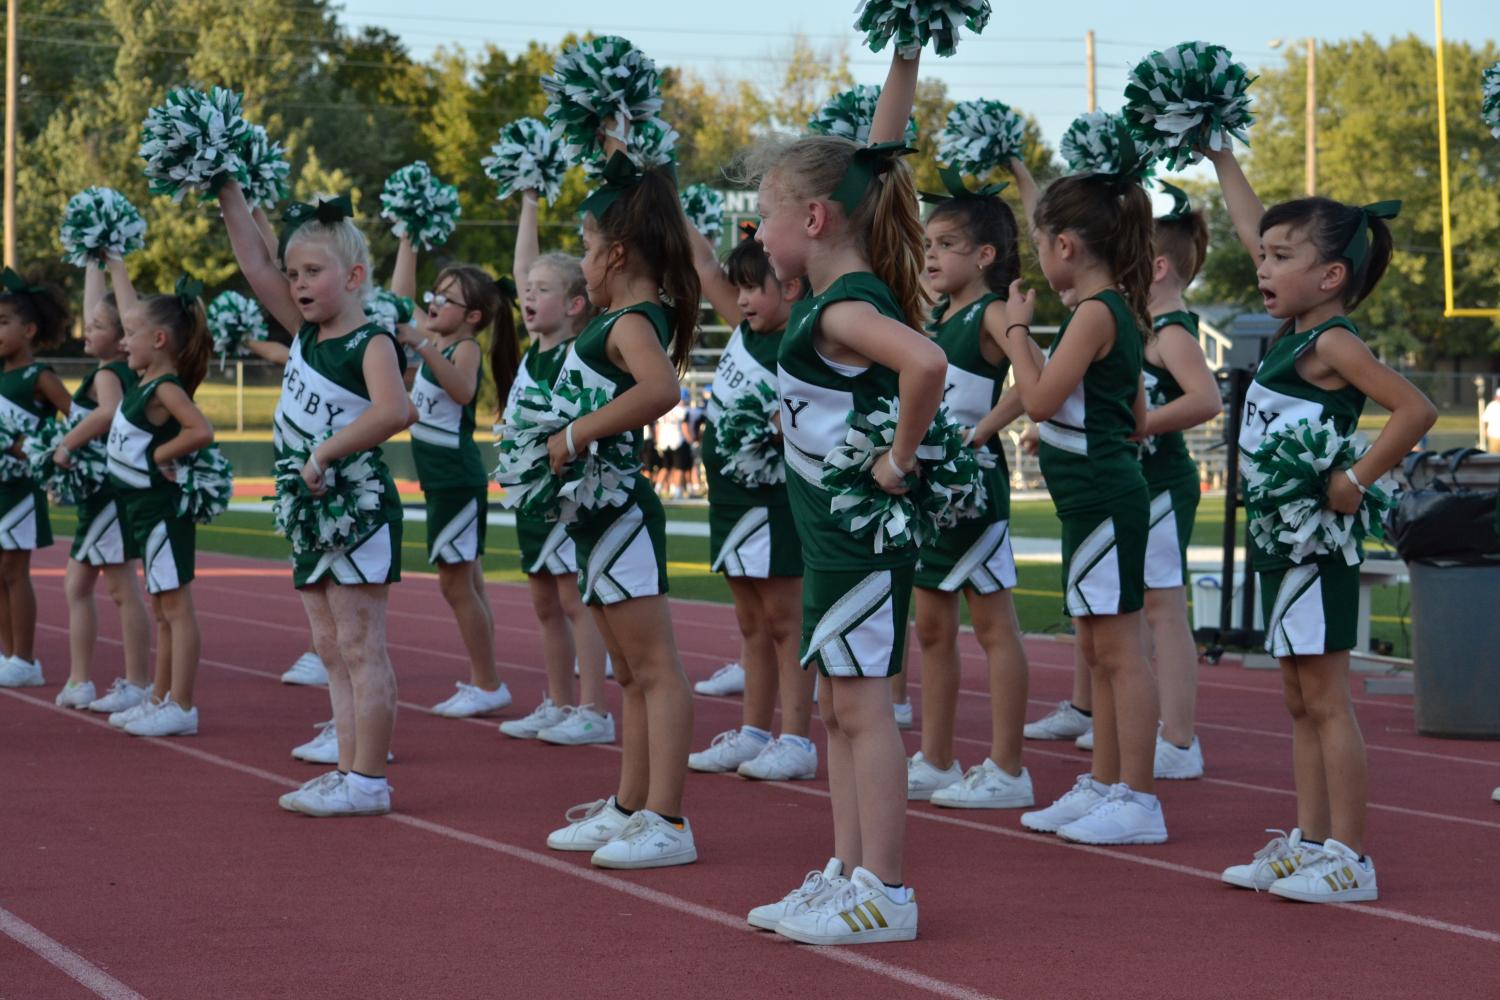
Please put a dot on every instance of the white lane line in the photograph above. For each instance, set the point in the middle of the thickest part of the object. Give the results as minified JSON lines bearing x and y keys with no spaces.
{"x":57,"y":954}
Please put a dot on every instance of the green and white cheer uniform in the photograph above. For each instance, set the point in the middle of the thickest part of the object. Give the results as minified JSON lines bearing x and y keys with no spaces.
{"x":1093,"y":472}
{"x":454,"y":484}
{"x":24,"y":525}
{"x":750,"y":529}
{"x":100,"y":539}
{"x":622,"y":551}
{"x":975,"y":553}
{"x":1313,"y":607}
{"x":854,"y":602}
{"x":1171,"y":475}
{"x":323,"y":389}
{"x":147,"y":500}
{"x":546,"y":549}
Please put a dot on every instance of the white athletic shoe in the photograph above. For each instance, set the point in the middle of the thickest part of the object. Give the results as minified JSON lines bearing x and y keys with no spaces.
{"x":139,"y":710}
{"x":1332,"y":874}
{"x":122,"y":695}
{"x":1495,"y":795}
{"x":1173,"y":763}
{"x":987,"y":787}
{"x":1124,"y":817}
{"x":727,"y":752}
{"x":816,"y":886}
{"x":609,"y":668}
{"x":472,"y":700}
{"x":1064,"y":723}
{"x":922,"y":779}
{"x":580,"y":726}
{"x":322,"y":748}
{"x":782,"y":760}
{"x":902,"y":711}
{"x":591,"y":825}
{"x":342,"y":798}
{"x":648,"y":841}
{"x":1078,"y":800}
{"x":860,"y":912}
{"x":307,"y":670}
{"x":544,"y":716}
{"x":169,"y":719}
{"x":1086,"y":741}
{"x":17,"y":673}
{"x":75,"y":695}
{"x":728,"y":679}
{"x":289,"y":800}
{"x":1278,"y":859}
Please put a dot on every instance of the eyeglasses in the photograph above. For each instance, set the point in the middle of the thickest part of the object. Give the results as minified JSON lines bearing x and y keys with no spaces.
{"x":438,"y":300}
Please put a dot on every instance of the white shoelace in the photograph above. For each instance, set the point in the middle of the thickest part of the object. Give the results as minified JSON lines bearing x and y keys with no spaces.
{"x":1279,"y":847}
{"x":585,"y":811}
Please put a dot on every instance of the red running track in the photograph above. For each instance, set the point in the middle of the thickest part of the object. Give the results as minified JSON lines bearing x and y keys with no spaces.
{"x":163,"y":868}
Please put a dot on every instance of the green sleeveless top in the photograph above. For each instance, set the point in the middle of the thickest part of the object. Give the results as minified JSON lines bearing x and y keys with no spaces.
{"x":589,"y":358}
{"x":974,"y":386}
{"x":442,"y":439}
{"x":816,"y":399}
{"x":133,"y":439}
{"x":1169,"y":463}
{"x":84,"y":402}
{"x":1086,"y":455}
{"x":18,"y":398}
{"x":323,"y":385}
{"x":538,"y":367}
{"x":749,"y":359}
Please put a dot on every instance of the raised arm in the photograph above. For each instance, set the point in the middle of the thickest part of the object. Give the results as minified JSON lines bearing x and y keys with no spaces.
{"x":404,"y":277}
{"x":528,"y":245}
{"x":267,"y":231}
{"x":717,"y":288}
{"x":1025,"y":187}
{"x":1240,"y":198}
{"x":93,"y":292}
{"x":256,"y":260}
{"x":119,"y":280}
{"x":897,"y":97}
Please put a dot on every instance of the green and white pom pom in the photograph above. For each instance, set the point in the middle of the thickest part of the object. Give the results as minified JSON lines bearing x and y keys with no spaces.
{"x":911,"y":24}
{"x":347,"y":510}
{"x":704,"y":208}
{"x":81,"y":480}
{"x":748,"y":441}
{"x":1101,"y":143}
{"x":981,"y":135}
{"x":598,"y":79}
{"x":266,"y":169}
{"x":1490,"y":108}
{"x":12,"y":466}
{"x":1187,"y":99}
{"x":194,"y":140}
{"x":233,"y":321}
{"x":651,"y":143}
{"x":526,"y":158}
{"x":100,"y":224}
{"x":850,"y":113}
{"x":1286,"y":492}
{"x":388,"y":310}
{"x":205,"y":484}
{"x":422,"y":208}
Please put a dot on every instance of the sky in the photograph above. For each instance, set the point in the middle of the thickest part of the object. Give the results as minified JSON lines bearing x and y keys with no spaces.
{"x":1034,"y":63}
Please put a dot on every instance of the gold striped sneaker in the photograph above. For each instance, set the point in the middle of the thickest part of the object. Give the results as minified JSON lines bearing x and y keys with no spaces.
{"x":1278,"y":859}
{"x":1334,"y":874}
{"x":862,"y":912}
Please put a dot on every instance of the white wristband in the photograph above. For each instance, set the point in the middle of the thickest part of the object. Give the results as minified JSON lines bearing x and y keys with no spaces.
{"x":1355,"y":480}
{"x":568,"y":437}
{"x":312,"y":459}
{"x":890,"y":457}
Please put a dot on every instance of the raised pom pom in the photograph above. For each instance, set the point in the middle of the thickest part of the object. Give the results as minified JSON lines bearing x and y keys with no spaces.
{"x":1187,"y":99}
{"x":100,"y":224}
{"x":911,"y":24}
{"x":87,"y":473}
{"x":193,"y":141}
{"x":266,"y":168}
{"x":748,"y":442}
{"x":850,"y":113}
{"x":704,"y":208}
{"x":388,"y":310}
{"x":1101,"y":143}
{"x":233,"y":321}
{"x":422,"y":208}
{"x":205,"y":484}
{"x":981,"y":135}
{"x":596,"y":80}
{"x":526,"y":158}
{"x":1490,"y":109}
{"x":347,"y":511}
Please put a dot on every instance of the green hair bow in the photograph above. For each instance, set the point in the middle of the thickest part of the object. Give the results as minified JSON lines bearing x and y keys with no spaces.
{"x":508,"y":290}
{"x":1181,"y":206}
{"x":299,"y":213}
{"x":620,"y":174}
{"x":869,"y":162}
{"x":16,"y":285}
{"x":953,"y":180}
{"x":1358,"y":247}
{"x":188,"y":291}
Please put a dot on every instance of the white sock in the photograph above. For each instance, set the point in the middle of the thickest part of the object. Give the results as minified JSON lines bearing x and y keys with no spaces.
{"x":760,"y":735}
{"x":365,"y":784}
{"x":800,"y":742}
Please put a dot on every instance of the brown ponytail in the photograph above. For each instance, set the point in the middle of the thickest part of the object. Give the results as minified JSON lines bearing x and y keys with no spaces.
{"x":1111,"y":216}
{"x":187,"y":332}
{"x":505,"y":347}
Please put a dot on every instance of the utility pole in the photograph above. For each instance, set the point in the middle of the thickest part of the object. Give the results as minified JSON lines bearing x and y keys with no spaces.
{"x":10,"y":132}
{"x":1088,"y":60}
{"x":1311,"y":157}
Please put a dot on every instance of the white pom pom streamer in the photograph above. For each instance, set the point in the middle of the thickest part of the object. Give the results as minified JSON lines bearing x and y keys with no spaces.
{"x":851,"y":113}
{"x":981,"y":135}
{"x":594,"y":81}
{"x":526,"y":158}
{"x":1101,"y":143}
{"x":704,"y":208}
{"x":194,"y":141}
{"x":911,"y":24}
{"x":266,"y":168}
{"x":1187,"y":99}
{"x":233,"y":321}
{"x":421,"y":208}
{"x":1490,"y":108}
{"x":100,"y":224}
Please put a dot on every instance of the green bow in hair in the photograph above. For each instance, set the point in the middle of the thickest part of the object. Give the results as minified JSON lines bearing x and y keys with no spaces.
{"x":1358,"y":246}
{"x":16,"y":285}
{"x":189,"y":290}
{"x":508,"y":290}
{"x":299,"y":213}
{"x":620,"y":174}
{"x":869,"y":162}
{"x":953,"y":180}
{"x":1181,"y":206}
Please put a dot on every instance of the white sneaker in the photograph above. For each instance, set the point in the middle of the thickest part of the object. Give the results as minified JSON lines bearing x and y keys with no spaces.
{"x":728,"y":679}
{"x":648,"y":841}
{"x":591,"y":825}
{"x":903,"y":714}
{"x":122,"y":695}
{"x":342,"y":798}
{"x":1124,"y":817}
{"x":1064,"y":723}
{"x":816,"y":886}
{"x":289,"y":800}
{"x":580,"y":726}
{"x":17,"y":673}
{"x":922,"y":779}
{"x":169,"y":719}
{"x":140,"y":709}
{"x":1495,"y":795}
{"x":1078,"y":800}
{"x":987,"y":787}
{"x":609,"y":668}
{"x":75,"y":695}
{"x":727,"y":752}
{"x":1173,"y":763}
{"x":544,"y":716}
{"x":1278,"y":859}
{"x":322,"y":748}
{"x":1334,"y":874}
{"x":308,"y":670}
{"x":472,"y":700}
{"x":1086,"y":741}
{"x":782,"y":760}
{"x":860,"y":912}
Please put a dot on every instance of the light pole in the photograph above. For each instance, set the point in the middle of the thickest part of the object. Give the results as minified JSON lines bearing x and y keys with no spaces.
{"x":1310,"y":179}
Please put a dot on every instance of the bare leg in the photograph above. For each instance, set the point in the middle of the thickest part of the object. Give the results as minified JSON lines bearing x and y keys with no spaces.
{"x":781,"y":596}
{"x":162,"y":685}
{"x":1325,"y":695}
{"x":757,"y":652}
{"x":1125,"y":711}
{"x":1176,"y":661}
{"x":937,"y":631}
{"x":1083,"y":684}
{"x":999,"y":634}
{"x":557,"y":638}
{"x":635,"y":744}
{"x":587,"y":641}
{"x":359,"y":615}
{"x":863,"y":710}
{"x":185,"y":644}
{"x":15,"y":569}
{"x":1307,"y":757}
{"x":325,"y":639}
{"x":125,"y":591}
{"x":465,"y":595}
{"x":843,"y":788}
{"x":83,"y":619}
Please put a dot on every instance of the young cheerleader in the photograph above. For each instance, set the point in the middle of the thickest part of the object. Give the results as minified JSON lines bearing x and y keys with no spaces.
{"x":972,"y":257}
{"x":343,"y":378}
{"x":1093,"y":237}
{"x":1318,"y":259}
{"x":752,"y":538}
{"x":167,"y":342}
{"x":847,"y":218}
{"x":32,"y":317}
{"x":636,"y":255}
{"x":555,"y":306}
{"x":100,"y":543}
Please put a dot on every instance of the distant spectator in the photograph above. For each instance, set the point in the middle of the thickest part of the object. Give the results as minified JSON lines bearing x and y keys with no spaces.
{"x":1489,"y":425}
